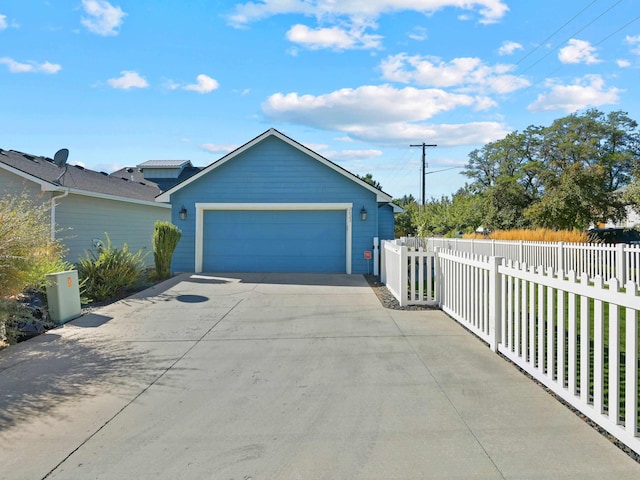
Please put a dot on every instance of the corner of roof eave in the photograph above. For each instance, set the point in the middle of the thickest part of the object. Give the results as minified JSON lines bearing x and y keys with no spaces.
{"x":165,"y":197}
{"x":382,"y":197}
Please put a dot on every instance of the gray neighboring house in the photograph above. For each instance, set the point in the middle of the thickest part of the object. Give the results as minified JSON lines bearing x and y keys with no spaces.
{"x":84,"y":204}
{"x":163,"y":173}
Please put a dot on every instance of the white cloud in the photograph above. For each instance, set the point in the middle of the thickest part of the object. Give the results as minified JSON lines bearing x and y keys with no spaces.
{"x":3,"y":22}
{"x":634,"y":42}
{"x":383,"y":114}
{"x":204,"y":84}
{"x":218,"y":148}
{"x":335,"y":37}
{"x":316,"y":147}
{"x":30,"y":67}
{"x":128,"y":79}
{"x":103,"y":18}
{"x":371,"y":104}
{"x":508,"y":47}
{"x":578,"y":51}
{"x":622,"y":63}
{"x":170,"y":85}
{"x":588,"y":91}
{"x":349,"y":155}
{"x":418,"y":34}
{"x":490,"y":11}
{"x":48,"y":67}
{"x":466,"y":72}
{"x":446,"y":135}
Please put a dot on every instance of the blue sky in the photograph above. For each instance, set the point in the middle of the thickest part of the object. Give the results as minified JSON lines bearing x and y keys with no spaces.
{"x":120,"y":82}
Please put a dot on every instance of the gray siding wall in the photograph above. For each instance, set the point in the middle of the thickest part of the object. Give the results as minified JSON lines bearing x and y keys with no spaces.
{"x":11,"y":184}
{"x":81,"y":219}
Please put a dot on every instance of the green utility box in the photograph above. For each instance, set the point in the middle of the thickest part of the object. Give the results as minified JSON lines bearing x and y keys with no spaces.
{"x":63,"y":296}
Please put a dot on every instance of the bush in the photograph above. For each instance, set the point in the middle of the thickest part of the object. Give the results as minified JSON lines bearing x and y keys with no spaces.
{"x":109,"y":272}
{"x":26,"y":250}
{"x":165,"y":240}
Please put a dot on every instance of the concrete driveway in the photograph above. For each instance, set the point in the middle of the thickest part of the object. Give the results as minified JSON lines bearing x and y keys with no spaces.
{"x":273,"y":376}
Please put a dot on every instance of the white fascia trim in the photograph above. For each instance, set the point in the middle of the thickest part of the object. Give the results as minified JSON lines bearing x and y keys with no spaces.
{"x":380,"y":195}
{"x":117,"y":198}
{"x":397,"y":208}
{"x":202,"y":207}
{"x":44,"y":185}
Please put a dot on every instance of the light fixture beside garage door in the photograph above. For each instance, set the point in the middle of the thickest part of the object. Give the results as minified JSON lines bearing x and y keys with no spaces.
{"x":183,"y":213}
{"x":363,"y":214}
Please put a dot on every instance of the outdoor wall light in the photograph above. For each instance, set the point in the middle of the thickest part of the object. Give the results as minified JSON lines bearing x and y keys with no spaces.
{"x":183,"y":213}
{"x":363,"y":214}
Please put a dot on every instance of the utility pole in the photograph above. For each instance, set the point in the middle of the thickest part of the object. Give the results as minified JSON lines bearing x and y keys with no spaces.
{"x":424,"y":165}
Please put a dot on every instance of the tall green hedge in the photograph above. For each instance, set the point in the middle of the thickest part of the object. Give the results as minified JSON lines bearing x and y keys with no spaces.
{"x":165,"y":240}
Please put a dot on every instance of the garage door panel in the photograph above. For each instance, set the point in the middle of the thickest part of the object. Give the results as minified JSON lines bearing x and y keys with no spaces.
{"x":278,"y":241}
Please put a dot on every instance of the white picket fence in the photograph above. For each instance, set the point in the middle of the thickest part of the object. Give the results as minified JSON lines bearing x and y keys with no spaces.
{"x":409,"y":274}
{"x":576,"y":335}
{"x":619,"y":261}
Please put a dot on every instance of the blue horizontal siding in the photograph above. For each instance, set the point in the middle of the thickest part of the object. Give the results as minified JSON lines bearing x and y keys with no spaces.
{"x":386,"y":220}
{"x":273,"y":171}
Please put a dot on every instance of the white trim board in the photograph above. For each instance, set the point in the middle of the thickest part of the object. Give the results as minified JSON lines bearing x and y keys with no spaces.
{"x":381,"y":196}
{"x":202,"y":207}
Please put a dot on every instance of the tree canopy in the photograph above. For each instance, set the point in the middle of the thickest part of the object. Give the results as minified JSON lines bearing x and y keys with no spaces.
{"x":581,"y":170}
{"x":566,"y":175}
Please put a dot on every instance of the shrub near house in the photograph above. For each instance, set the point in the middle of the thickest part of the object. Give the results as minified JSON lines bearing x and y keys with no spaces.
{"x":27,"y":254}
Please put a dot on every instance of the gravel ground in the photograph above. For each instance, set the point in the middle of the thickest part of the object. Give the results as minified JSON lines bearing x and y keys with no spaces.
{"x":388,"y":300}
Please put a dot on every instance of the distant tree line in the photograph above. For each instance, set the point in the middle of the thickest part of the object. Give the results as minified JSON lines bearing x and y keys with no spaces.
{"x":581,"y":170}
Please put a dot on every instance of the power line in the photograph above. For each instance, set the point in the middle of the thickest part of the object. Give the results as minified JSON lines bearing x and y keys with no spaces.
{"x":604,"y":39}
{"x":572,"y":35}
{"x":558,"y":30}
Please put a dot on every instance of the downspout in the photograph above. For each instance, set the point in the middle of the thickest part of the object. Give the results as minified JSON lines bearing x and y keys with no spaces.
{"x":53,"y":213}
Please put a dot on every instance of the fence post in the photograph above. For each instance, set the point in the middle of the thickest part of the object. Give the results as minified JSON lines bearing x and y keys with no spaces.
{"x":560,"y":258}
{"x":621,"y":264}
{"x":376,"y":256}
{"x":404,"y":280}
{"x":437,"y":288}
{"x":383,"y":261}
{"x":521,"y":251}
{"x":495,"y":303}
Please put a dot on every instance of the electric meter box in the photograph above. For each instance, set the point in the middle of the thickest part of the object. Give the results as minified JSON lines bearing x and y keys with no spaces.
{"x":63,"y":296}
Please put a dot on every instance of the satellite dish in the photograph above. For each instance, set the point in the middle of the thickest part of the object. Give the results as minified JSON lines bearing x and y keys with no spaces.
{"x":60,"y":158}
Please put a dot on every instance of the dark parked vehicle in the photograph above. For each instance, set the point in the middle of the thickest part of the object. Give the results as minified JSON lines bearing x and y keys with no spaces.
{"x":614,"y":235}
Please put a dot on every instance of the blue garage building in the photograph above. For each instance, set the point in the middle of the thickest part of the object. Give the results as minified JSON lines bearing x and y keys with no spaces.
{"x":273,"y":205}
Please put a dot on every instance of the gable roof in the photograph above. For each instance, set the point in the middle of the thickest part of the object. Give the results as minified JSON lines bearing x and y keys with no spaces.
{"x":144,"y":174}
{"x":272,"y":132}
{"x":74,"y":178}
